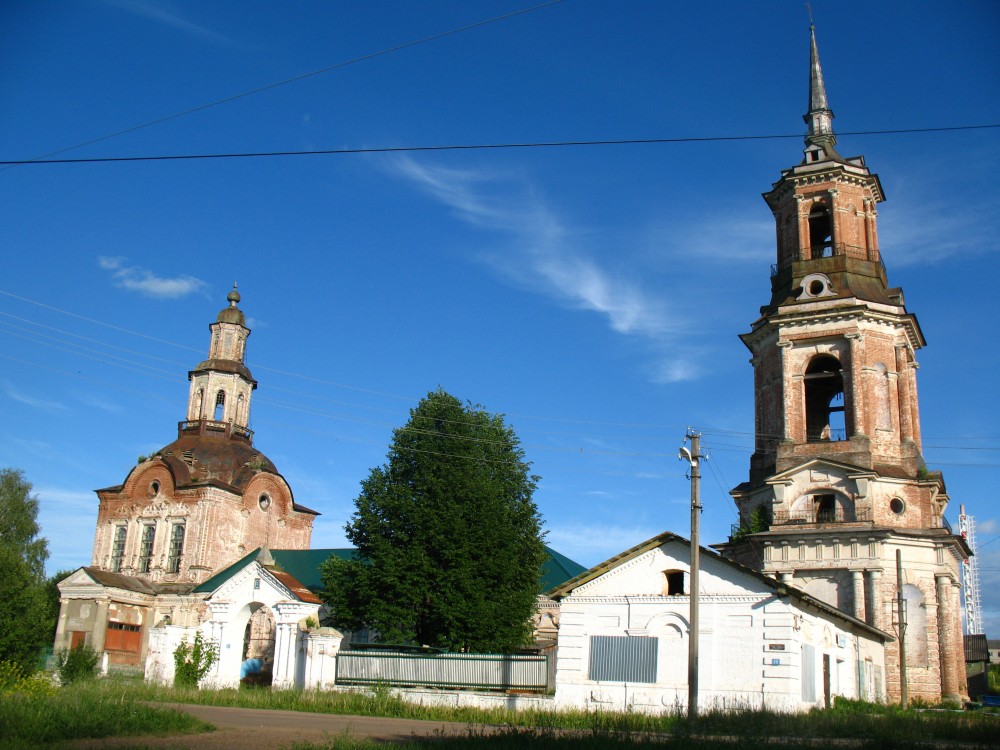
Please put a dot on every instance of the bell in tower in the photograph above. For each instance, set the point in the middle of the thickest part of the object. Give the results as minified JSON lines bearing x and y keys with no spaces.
{"x":837,"y":481}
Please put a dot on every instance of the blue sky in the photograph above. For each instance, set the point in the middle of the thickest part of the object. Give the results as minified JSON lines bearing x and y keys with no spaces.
{"x":594,"y":295}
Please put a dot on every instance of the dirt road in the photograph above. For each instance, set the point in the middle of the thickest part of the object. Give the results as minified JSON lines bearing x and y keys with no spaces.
{"x":260,"y":729}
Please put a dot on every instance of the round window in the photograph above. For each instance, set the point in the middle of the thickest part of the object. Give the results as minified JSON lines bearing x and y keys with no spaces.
{"x":154,"y":488}
{"x":264,"y":501}
{"x":816,"y":288}
{"x":897,"y":506}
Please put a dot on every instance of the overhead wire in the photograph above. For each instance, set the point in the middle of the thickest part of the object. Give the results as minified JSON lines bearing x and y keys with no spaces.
{"x":145,"y":369}
{"x":299,"y":77}
{"x":471,"y":147}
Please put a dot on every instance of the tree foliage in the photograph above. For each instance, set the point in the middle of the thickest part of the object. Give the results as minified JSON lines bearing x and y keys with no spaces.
{"x":449,"y":539}
{"x":25,"y":617}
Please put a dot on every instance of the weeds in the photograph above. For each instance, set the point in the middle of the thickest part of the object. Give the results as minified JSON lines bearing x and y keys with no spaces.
{"x":14,"y":681}
{"x":76,"y":664}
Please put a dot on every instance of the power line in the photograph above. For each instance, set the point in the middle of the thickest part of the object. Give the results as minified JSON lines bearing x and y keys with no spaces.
{"x":473,"y":147}
{"x":293,"y":79}
{"x":110,"y":359}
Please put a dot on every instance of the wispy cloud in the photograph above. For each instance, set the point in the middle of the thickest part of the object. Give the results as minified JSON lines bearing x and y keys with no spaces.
{"x":929,"y":221}
{"x":168,"y":15}
{"x":592,"y":544}
{"x":931,"y":233}
{"x":547,"y":256}
{"x":100,"y":403}
{"x":44,"y":404}
{"x":144,"y":281}
{"x":989,"y":526}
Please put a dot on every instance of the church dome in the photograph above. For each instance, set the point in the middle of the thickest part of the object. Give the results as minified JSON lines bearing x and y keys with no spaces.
{"x":232,"y":314}
{"x":205,"y":459}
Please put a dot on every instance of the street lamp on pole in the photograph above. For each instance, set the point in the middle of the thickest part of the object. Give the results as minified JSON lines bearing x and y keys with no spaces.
{"x":693,"y":457}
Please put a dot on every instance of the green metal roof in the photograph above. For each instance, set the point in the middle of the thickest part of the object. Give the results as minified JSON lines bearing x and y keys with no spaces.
{"x":303,"y":565}
{"x":558,"y":569}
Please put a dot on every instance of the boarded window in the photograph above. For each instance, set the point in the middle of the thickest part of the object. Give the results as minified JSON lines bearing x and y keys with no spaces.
{"x":808,"y":673}
{"x":622,"y":658}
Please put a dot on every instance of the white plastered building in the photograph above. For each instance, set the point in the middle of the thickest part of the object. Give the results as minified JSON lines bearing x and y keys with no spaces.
{"x":624,"y":630}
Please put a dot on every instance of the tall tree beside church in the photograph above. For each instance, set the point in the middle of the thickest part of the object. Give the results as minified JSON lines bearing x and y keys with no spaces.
{"x":25,"y":619}
{"x":449,"y":538}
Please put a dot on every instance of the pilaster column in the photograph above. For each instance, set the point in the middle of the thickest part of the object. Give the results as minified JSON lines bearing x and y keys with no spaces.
{"x":875,"y":587}
{"x":903,"y":394}
{"x":100,"y":626}
{"x":946,"y":649}
{"x":858,"y":577}
{"x":854,"y":390}
{"x":61,"y":640}
{"x":869,"y":234}
{"x":802,"y":214}
{"x":786,"y":392}
{"x":834,"y":221}
{"x":286,"y":641}
{"x":911,"y":379}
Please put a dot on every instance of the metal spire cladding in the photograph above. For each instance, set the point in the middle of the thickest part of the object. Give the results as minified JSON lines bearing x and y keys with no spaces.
{"x":819,"y":118}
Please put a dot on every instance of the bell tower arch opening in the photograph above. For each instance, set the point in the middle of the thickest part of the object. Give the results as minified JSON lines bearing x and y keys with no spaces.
{"x":820,"y":232}
{"x":824,"y":400}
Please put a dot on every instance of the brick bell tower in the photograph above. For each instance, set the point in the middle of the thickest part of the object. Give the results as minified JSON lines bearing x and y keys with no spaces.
{"x":837,"y":480}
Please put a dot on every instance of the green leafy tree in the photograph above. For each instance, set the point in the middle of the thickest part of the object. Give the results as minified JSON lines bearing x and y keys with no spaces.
{"x":449,"y":539}
{"x":25,"y":617}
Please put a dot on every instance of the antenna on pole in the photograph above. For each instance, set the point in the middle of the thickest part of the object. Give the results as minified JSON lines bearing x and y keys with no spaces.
{"x":693,"y":457}
{"x":970,"y":575}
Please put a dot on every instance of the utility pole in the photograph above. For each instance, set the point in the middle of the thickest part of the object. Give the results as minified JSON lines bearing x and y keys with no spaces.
{"x":693,"y":457}
{"x":904,"y":693}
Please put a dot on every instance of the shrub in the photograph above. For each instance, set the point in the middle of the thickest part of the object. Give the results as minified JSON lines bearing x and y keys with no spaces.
{"x":193,"y":660}
{"x":77,"y":663}
{"x":14,"y":680}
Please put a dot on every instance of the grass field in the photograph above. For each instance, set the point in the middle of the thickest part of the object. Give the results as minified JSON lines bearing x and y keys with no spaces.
{"x":114,"y":707}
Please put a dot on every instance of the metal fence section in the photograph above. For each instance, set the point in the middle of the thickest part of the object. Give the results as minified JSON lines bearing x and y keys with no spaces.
{"x":623,"y":658}
{"x":471,"y":671}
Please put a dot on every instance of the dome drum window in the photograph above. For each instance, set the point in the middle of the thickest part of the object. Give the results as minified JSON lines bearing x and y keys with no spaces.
{"x":897,"y":506}
{"x":154,"y":488}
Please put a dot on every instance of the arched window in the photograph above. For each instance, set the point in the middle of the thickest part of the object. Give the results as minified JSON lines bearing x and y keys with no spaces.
{"x":176,"y":551}
{"x":820,"y":239}
{"x":673,"y":582}
{"x":220,"y":406}
{"x":824,"y":386}
{"x":118,"y":548}
{"x":146,"y":547}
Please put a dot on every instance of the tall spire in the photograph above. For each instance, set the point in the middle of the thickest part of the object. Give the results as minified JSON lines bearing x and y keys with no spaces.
{"x":820,"y":140}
